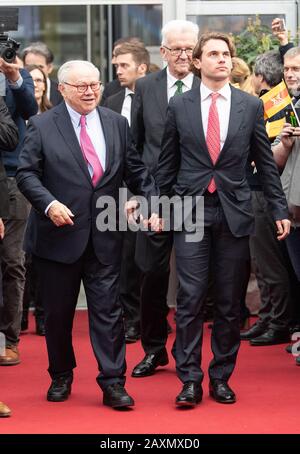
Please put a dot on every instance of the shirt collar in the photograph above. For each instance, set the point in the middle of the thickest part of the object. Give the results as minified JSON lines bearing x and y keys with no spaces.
{"x":128,"y":92}
{"x":75,"y":116}
{"x":225,"y":91}
{"x":187,"y":80}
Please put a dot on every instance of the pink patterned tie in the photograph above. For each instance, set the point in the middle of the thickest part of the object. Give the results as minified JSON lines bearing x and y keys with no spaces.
{"x":89,"y":152}
{"x":213,"y":136}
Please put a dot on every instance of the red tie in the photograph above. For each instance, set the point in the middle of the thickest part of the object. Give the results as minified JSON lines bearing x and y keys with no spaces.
{"x":89,"y":152}
{"x":213,"y":136}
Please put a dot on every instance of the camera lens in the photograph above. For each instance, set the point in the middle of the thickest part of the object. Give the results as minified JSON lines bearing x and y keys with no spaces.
{"x":8,"y":55}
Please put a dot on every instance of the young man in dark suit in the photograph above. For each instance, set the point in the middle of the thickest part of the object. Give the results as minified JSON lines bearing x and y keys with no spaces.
{"x":209,"y":135}
{"x":149,"y":111}
{"x":75,"y":156}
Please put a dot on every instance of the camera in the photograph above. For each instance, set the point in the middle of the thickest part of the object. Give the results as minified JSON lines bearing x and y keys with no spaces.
{"x":8,"y":46}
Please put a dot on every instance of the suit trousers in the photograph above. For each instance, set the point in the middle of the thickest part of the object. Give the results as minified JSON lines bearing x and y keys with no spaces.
{"x":153,"y":254}
{"x":269,"y":257}
{"x":59,"y":286}
{"x":229,"y":266}
{"x":12,"y":262}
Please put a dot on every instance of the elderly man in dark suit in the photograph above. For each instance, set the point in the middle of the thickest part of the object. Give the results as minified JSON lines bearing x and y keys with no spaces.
{"x":149,"y":110}
{"x":210,"y":134}
{"x":74,"y":157}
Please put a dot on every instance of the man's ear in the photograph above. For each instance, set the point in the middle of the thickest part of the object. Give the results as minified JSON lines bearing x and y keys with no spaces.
{"x":163,"y":53}
{"x":49,"y":68}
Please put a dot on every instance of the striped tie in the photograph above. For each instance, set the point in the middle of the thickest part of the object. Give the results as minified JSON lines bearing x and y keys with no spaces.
{"x":213,"y":136}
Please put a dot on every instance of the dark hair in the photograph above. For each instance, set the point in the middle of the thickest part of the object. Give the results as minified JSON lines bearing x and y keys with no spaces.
{"x":39,"y":48}
{"x":197,"y":53}
{"x":45,"y":102}
{"x":129,"y":39}
{"x":269,"y":66}
{"x":139,"y":54}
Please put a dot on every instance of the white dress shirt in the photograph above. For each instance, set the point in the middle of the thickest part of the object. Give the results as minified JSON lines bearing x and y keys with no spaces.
{"x":126,"y":107}
{"x":223,"y":106}
{"x":172,"y":87}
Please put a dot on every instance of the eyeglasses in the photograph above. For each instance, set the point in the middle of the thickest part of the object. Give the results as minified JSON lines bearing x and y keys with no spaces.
{"x":178,"y":51}
{"x":82,"y":88}
{"x":39,"y":81}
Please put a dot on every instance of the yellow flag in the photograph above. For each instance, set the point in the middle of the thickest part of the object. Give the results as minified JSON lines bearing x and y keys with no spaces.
{"x":276,"y":99}
{"x":274,"y":128}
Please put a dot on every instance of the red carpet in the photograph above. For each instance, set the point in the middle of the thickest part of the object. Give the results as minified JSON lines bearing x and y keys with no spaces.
{"x":266,"y":382}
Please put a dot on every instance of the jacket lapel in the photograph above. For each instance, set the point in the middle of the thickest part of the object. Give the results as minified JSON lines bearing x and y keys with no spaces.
{"x":161,"y":91}
{"x":65,"y":127}
{"x":193,"y":112}
{"x":236,"y":115}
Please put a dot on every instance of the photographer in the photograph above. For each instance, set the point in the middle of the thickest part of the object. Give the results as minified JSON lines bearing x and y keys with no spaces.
{"x":20,"y":100}
{"x":8,"y":140}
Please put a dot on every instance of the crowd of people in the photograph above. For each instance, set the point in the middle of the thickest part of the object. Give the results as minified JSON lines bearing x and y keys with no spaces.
{"x":195,"y":128}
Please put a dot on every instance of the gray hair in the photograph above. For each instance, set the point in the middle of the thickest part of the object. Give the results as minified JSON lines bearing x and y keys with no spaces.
{"x":38,"y":48}
{"x":64,"y":70}
{"x":178,"y":26}
{"x":291,"y":53}
{"x":269,"y":66}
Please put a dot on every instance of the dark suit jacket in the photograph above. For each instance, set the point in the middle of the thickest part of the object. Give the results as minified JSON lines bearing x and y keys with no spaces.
{"x":149,"y":113}
{"x":185,"y":166}
{"x":55,"y":96}
{"x":111,"y":88}
{"x":52,"y":167}
{"x":8,"y":141}
{"x":115,"y":102}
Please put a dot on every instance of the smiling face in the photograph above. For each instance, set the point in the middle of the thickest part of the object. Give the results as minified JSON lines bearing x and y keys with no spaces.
{"x":87,"y":101}
{"x":291,"y":70}
{"x":215,"y":62}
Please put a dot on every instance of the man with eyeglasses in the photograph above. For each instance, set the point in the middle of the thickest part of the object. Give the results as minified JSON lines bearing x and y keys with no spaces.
{"x":73,"y":155}
{"x":149,"y":111}
{"x":286,"y":149}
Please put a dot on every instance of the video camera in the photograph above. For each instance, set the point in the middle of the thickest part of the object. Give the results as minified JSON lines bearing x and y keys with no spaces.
{"x":8,"y":22}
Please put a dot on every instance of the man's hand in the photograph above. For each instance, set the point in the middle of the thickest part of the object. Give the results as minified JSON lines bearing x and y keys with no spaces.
{"x":2,"y":229}
{"x":60,"y":214}
{"x":130,"y":211}
{"x":10,"y":70}
{"x":282,"y":35}
{"x":155,"y":223}
{"x":288,"y":135}
{"x":283,"y":229}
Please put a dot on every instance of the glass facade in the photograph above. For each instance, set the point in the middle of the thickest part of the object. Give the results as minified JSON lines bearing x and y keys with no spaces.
{"x":87,"y":32}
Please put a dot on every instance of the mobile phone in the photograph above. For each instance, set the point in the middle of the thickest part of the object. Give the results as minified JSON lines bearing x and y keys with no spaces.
{"x":291,"y":118}
{"x":281,"y":26}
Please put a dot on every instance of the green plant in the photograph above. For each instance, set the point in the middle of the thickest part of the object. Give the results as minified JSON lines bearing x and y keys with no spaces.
{"x":255,"y":40}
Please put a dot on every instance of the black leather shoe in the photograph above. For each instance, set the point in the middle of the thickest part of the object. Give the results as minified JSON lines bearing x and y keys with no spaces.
{"x":148,"y":365}
{"x":115,"y":396}
{"x":190,"y":395}
{"x":220,"y":391}
{"x":271,"y":337}
{"x":60,"y":388}
{"x":256,"y":330}
{"x":132,"y":334}
{"x":40,"y":326}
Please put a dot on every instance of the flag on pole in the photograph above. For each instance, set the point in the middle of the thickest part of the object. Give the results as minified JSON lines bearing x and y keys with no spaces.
{"x":276,"y":99}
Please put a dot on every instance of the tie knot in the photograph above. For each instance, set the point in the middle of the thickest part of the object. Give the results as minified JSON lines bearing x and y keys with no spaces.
{"x":179,"y":85}
{"x":83,"y":120}
{"x":214,"y":96}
